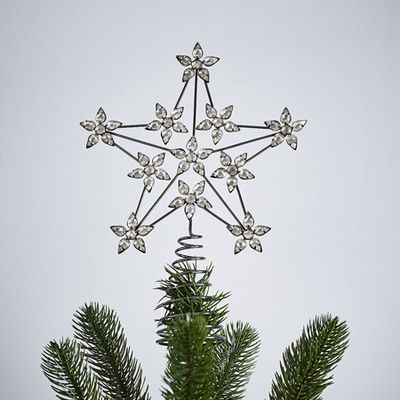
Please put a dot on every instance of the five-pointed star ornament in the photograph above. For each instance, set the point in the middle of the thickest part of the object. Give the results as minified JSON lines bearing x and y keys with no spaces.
{"x":131,"y":234}
{"x":173,"y":158}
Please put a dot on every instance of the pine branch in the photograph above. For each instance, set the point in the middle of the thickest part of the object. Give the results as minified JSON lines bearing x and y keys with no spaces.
{"x":307,"y":364}
{"x":103,"y":340}
{"x":189,"y":374}
{"x":65,"y":367}
{"x":188,"y":292}
{"x":234,"y":360}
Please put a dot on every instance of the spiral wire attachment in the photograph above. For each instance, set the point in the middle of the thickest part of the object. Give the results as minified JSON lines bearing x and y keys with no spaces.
{"x":187,"y":291}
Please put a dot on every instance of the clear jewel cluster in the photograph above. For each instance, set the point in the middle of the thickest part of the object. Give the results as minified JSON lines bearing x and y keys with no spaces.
{"x":233,"y":166}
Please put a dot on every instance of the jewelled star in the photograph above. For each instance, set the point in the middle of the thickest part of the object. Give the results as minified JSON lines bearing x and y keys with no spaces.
{"x":149,"y":170}
{"x":100,"y":128}
{"x":248,"y":233}
{"x":218,"y":122}
{"x":190,"y":198}
{"x":196,"y":64}
{"x":285,"y":130}
{"x":232,"y":170}
{"x":131,"y":234}
{"x":166,"y":122}
{"x":191,"y":157}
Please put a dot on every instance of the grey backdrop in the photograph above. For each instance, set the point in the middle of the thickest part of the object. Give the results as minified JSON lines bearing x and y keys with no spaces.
{"x":333,"y":204}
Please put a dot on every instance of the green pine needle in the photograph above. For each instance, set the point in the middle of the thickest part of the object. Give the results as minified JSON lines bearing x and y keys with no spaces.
{"x":187,"y":292}
{"x":234,"y":359}
{"x":307,"y":364}
{"x":189,"y":373}
{"x":119,"y":374}
{"x":66,"y":368}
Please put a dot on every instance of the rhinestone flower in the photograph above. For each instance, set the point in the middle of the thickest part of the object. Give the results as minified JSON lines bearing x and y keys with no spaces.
{"x":190,"y":199}
{"x":149,"y":170}
{"x":167,"y":122}
{"x":217,"y":122}
{"x":191,"y":156}
{"x":131,"y":234}
{"x":285,"y":130}
{"x":197,"y":64}
{"x":100,"y":128}
{"x":248,"y":234}
{"x":232,"y":170}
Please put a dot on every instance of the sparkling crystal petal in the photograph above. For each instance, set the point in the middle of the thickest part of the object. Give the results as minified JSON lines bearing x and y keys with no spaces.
{"x":256,"y":244}
{"x":136,"y":173}
{"x":248,"y":221}
{"x":231,"y":183}
{"x":204,"y":153}
{"x":119,"y":230}
{"x":190,"y":209}
{"x":143,"y":159}
{"x":192,"y":144}
{"x":210,"y":60}
{"x":161,"y":112}
{"x":158,"y":160}
{"x":240,"y":245}
{"x":92,"y":140}
{"x":225,"y":159}
{"x":236,"y":230}
{"x":183,"y":187}
{"x":166,"y":135}
{"x":291,"y":140}
{"x":112,"y":125}
{"x":179,"y":127}
{"x":184,"y":60}
{"x":211,"y":112}
{"x":178,"y":153}
{"x":107,"y":139}
{"x":277,"y":139}
{"x":138,"y":243}
{"x":285,"y":116}
{"x":299,"y":125}
{"x":226,"y":112}
{"x":177,"y":202}
{"x":177,"y":113}
{"x":241,"y":160}
{"x":132,"y":221}
{"x":198,"y":189}
{"x":183,"y":167}
{"x":123,"y":245}
{"x":188,"y":73}
{"x":162,"y":174}
{"x":148,"y":183}
{"x":153,"y":125}
{"x":204,"y":125}
{"x":143,"y":230}
{"x":218,"y":173}
{"x":100,"y":116}
{"x":204,"y":74}
{"x":261,"y":230}
{"x":203,"y":202}
{"x":216,"y":135}
{"x":88,"y":125}
{"x":231,"y":127}
{"x":246,"y":174}
{"x":274,"y":125}
{"x":199,"y":168}
{"x":197,"y":51}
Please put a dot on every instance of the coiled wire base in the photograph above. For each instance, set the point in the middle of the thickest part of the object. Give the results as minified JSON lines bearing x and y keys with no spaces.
{"x":187,"y":291}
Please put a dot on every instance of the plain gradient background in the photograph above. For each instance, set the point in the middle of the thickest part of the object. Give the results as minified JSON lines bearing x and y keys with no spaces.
{"x":332,"y":205}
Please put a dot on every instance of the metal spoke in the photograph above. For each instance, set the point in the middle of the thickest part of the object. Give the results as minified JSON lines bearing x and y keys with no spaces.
{"x":258,"y":153}
{"x":243,"y":143}
{"x":125,"y":151}
{"x":133,"y":126}
{"x":181,"y":94}
{"x":208,"y":94}
{"x":140,"y":141}
{"x":164,"y":216}
{"x":223,"y":201}
{"x":241,"y":199}
{"x":216,"y":216}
